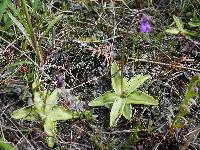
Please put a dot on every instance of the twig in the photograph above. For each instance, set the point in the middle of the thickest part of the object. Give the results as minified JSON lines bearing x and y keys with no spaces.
{"x":96,"y":78}
{"x":191,"y":138}
{"x":19,"y":131}
{"x":71,"y":143}
{"x":123,"y":131}
{"x":163,"y":64}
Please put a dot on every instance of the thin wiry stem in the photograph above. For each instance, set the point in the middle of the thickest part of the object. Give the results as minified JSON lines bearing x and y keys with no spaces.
{"x":122,"y":53}
{"x":164,"y":64}
{"x":31,"y":146}
{"x":122,"y":70}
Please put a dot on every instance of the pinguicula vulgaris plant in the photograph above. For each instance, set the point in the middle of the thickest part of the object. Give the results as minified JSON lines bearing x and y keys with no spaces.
{"x":121,"y":99}
{"x":179,"y":29}
{"x":45,"y":110}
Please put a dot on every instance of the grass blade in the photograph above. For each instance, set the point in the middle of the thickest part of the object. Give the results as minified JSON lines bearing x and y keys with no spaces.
{"x":21,"y":28}
{"x":51,"y":24}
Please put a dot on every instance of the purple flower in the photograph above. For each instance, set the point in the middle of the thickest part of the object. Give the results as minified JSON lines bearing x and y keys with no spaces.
{"x":145,"y":26}
{"x":2,"y":23}
{"x":60,"y":81}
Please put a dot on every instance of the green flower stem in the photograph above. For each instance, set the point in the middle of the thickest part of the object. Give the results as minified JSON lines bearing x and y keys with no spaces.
{"x":122,"y":70}
{"x":36,"y":48}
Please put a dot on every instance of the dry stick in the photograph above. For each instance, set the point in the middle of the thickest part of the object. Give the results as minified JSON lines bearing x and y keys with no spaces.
{"x":19,"y":131}
{"x":122,"y":71}
{"x":73,"y":143}
{"x":92,"y":80}
{"x":9,"y":128}
{"x":192,"y":136}
{"x":121,"y":132}
{"x":163,"y":64}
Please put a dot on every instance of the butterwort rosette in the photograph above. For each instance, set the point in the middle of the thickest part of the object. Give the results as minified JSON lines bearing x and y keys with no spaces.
{"x":145,"y":26}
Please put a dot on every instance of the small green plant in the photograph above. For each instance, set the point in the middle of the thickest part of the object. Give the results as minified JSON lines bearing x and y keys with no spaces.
{"x":22,"y":18}
{"x":121,"y":102}
{"x":4,"y":145}
{"x":190,"y":93}
{"x":180,"y":28}
{"x":45,"y":110}
{"x":5,"y":21}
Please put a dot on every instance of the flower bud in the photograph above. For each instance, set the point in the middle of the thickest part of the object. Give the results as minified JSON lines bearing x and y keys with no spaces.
{"x":60,"y":81}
